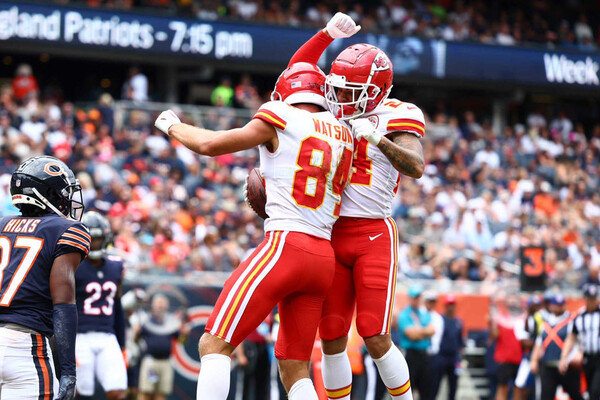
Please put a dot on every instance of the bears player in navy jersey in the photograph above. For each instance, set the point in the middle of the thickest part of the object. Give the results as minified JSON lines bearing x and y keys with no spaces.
{"x":101,"y":330}
{"x":39,"y":254}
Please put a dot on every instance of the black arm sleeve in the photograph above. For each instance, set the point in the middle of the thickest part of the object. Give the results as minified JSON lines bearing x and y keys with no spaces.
{"x":119,"y":322}
{"x":65,"y":331}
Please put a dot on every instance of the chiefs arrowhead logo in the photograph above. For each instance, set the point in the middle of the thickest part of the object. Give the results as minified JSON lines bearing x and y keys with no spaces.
{"x":373,"y":119}
{"x":381,"y":62}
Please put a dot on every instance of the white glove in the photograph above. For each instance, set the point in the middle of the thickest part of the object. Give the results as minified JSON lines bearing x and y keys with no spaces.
{"x":165,"y":120}
{"x":246,"y":192}
{"x":362,"y":128}
{"x":341,"y":26}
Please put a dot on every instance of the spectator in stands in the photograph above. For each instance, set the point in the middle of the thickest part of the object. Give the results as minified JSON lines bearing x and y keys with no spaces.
{"x":416,"y":329}
{"x":156,"y":336}
{"x":222,"y":95}
{"x":24,"y":83}
{"x":246,"y":94}
{"x":136,"y":86}
{"x":487,"y":156}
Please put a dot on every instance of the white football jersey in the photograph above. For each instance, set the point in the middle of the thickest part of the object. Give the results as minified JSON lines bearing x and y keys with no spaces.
{"x":374,"y":180}
{"x":306,"y":175}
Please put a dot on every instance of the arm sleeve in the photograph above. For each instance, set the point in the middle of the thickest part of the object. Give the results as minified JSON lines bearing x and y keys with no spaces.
{"x":76,"y":239}
{"x":65,"y":331}
{"x":311,"y":51}
{"x":407,"y":118}
{"x":271,"y":113}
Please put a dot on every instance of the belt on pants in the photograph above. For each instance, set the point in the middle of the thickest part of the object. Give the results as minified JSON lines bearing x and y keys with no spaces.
{"x":19,"y":328}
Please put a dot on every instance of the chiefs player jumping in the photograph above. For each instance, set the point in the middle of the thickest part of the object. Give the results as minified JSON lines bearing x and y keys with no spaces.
{"x":305,"y":158}
{"x":387,"y":143}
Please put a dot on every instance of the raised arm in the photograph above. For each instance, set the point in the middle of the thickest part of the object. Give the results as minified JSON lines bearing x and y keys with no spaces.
{"x":339,"y":26}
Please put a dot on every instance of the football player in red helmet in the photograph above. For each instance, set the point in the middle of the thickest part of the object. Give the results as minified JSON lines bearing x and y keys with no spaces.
{"x":387,"y":144}
{"x":359,"y":81}
{"x":294,"y":266}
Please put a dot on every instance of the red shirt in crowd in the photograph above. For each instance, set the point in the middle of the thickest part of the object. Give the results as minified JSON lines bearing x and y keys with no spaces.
{"x":22,"y":85}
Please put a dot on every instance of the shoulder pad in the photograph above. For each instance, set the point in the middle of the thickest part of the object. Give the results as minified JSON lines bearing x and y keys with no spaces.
{"x":273,"y":113}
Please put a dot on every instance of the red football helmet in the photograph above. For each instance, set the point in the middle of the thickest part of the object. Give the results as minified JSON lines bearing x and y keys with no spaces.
{"x":301,"y":83}
{"x":366,"y":73}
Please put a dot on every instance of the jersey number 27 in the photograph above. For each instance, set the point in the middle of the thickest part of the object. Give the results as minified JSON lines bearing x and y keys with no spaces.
{"x":32,"y":246}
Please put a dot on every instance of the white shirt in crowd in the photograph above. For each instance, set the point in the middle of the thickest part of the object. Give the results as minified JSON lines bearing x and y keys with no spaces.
{"x":139,"y":87}
{"x":491,"y":158}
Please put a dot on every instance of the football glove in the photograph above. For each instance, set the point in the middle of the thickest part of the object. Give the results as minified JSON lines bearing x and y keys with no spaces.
{"x":341,"y":26}
{"x":362,"y":128}
{"x":165,"y":120}
{"x":66,"y":388}
{"x":245,"y":188}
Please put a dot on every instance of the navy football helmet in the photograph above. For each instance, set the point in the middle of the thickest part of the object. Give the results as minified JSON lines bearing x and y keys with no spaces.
{"x":45,"y":184}
{"x":99,"y":227}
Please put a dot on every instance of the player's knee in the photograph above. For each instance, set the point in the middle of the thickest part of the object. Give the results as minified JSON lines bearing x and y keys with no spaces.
{"x":210,"y":344}
{"x":367,"y":325}
{"x":116,"y":395}
{"x":334,"y":346}
{"x":378,"y":345}
{"x":332,"y":327}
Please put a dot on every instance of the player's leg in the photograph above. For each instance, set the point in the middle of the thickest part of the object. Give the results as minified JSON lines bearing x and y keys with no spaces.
{"x":336,"y":318}
{"x":26,"y":366}
{"x":300,"y":311}
{"x":338,"y":311}
{"x":299,"y":316}
{"x":110,"y":367}
{"x":84,"y":355}
{"x":375,"y":285}
{"x":240,"y":308}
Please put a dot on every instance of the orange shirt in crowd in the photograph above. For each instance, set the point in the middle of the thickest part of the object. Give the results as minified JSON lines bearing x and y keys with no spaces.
{"x":545,"y":202}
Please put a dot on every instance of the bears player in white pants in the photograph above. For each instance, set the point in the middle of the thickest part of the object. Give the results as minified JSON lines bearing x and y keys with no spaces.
{"x":387,"y":145}
{"x":101,"y":330}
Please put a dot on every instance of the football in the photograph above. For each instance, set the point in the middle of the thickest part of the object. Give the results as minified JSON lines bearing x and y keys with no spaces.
{"x":257,"y":194}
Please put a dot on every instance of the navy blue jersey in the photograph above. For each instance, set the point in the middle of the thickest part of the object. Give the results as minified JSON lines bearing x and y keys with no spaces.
{"x":28,"y":248}
{"x":96,"y":294}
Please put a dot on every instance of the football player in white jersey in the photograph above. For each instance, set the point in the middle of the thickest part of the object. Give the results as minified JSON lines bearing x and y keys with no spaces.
{"x":387,"y":144}
{"x":305,"y":160}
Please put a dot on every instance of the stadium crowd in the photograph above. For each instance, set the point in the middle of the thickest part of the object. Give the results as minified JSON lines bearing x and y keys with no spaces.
{"x":483,"y":196}
{"x":492,"y":22}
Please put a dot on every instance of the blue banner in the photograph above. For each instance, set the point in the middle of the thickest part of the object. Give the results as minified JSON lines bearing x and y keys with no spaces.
{"x":157,"y":36}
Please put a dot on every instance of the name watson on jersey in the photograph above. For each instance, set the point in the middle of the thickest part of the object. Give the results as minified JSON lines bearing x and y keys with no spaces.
{"x":333,"y":131}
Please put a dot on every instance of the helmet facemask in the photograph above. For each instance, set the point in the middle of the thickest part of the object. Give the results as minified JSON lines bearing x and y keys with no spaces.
{"x":361,"y":95}
{"x":74,"y":197}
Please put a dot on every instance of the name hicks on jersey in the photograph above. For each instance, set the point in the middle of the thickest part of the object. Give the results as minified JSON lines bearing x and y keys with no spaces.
{"x":21,"y":225}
